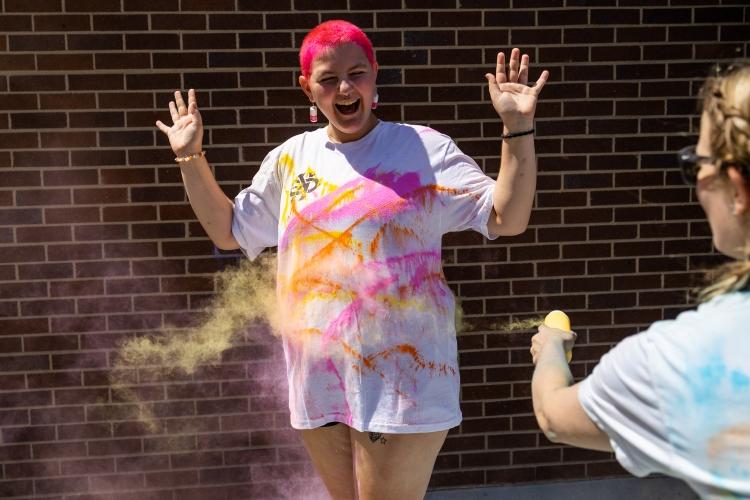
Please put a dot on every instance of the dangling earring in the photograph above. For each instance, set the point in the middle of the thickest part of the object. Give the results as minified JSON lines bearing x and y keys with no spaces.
{"x":313,"y":114}
{"x":375,"y":101}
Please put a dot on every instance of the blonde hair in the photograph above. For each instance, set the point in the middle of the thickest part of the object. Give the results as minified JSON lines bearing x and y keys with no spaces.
{"x":726,"y":102}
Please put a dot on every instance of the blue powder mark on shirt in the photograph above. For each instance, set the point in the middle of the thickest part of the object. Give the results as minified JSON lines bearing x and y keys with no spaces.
{"x":712,"y":387}
{"x":740,"y":381}
{"x":710,"y":379}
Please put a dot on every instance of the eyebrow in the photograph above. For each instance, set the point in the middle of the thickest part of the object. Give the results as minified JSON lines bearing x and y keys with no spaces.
{"x":331,"y":72}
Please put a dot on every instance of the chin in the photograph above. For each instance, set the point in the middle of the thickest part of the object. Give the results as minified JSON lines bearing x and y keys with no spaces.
{"x":730,"y":249}
{"x":351,"y":127}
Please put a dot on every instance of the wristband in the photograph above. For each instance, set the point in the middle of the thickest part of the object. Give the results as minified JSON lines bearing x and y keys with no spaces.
{"x":516,"y":134}
{"x":182,"y":159}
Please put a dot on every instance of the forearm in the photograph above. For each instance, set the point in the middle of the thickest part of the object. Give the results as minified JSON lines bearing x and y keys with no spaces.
{"x":212,"y":207}
{"x":513,"y":195}
{"x":552,"y":373}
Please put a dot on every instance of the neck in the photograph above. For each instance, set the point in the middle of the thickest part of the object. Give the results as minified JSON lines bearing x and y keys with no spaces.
{"x":336,"y":135}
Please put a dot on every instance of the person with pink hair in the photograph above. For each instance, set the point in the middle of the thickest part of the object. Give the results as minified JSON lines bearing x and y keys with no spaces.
{"x":357,"y":209}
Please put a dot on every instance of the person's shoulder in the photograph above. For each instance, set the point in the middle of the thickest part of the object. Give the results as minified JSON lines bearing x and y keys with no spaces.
{"x":711,"y":323}
{"x":728,"y":311}
{"x":414,"y":130}
{"x":303,"y":139}
{"x":728,"y":307}
{"x":282,"y":157}
{"x":295,"y":145}
{"x":409,"y":131}
{"x":736,"y":302}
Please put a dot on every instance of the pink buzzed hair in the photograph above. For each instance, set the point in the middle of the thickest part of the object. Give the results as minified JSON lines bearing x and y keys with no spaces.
{"x":332,"y":34}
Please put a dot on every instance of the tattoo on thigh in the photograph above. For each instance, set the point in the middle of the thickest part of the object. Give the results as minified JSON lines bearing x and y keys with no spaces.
{"x":377,"y":436}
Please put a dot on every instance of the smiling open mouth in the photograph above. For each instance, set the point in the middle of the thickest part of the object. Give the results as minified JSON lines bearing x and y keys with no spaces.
{"x":348,"y":109}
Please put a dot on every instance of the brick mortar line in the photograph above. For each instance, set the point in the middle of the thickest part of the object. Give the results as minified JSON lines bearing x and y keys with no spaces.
{"x":438,"y":47}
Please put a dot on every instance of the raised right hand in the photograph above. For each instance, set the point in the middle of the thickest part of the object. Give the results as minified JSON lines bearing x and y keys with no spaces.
{"x":186,"y":134}
{"x":547,"y":334}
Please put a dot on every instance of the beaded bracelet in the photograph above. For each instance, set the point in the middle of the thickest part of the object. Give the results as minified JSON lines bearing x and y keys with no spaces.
{"x":517,"y":134}
{"x":181,"y":159}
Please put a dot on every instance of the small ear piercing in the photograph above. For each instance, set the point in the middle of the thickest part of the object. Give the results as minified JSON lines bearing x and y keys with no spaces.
{"x":313,"y":114}
{"x":375,"y":101}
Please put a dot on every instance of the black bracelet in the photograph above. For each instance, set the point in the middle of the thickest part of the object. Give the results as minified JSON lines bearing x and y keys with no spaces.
{"x":517,"y":134}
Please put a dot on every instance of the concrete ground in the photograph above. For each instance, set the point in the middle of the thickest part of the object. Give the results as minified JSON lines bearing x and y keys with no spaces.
{"x":651,"y":488}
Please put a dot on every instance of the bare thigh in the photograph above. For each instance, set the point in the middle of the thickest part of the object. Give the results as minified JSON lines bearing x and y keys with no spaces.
{"x":394,"y":466}
{"x":330,"y":449}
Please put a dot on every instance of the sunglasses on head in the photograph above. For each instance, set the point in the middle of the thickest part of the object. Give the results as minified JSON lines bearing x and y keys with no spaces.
{"x":690,"y":164}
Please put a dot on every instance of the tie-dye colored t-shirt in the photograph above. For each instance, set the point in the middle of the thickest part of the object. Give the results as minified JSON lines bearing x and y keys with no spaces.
{"x":675,"y":399}
{"x":368,"y":320}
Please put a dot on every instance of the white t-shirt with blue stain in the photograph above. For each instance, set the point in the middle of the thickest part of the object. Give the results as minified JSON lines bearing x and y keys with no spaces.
{"x":367,"y":318}
{"x":675,"y":399}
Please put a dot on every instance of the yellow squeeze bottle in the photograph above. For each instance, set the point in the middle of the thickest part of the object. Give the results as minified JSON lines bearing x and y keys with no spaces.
{"x":561,"y":321}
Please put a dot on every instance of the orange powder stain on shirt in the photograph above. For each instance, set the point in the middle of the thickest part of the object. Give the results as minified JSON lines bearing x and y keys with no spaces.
{"x":309,"y":332}
{"x":425,"y":193}
{"x":345,"y":196}
{"x":344,"y":237}
{"x":314,"y":287}
{"x":367,"y":362}
{"x":411,"y":351}
{"x":307,"y":282}
{"x":375,"y":243}
{"x":337,"y":239}
{"x":284,"y":166}
{"x":310,"y":224}
{"x":399,"y":233}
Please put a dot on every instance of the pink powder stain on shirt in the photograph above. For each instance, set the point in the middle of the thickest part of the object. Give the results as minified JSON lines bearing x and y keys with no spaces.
{"x":331,"y":368}
{"x":380,"y":286}
{"x":375,"y":197}
{"x":370,"y":290}
{"x":422,"y":269}
{"x":341,"y":322}
{"x":402,"y":184}
{"x":377,"y":202}
{"x":378,"y":195}
{"x":308,"y":218}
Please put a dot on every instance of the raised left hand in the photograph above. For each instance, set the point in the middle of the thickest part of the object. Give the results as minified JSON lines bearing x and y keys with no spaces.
{"x":512,"y":97}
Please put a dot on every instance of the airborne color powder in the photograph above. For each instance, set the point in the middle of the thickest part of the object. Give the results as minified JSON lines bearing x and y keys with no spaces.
{"x":245,"y":296}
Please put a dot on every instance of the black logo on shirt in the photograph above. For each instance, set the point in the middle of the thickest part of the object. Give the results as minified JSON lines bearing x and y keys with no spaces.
{"x":304,"y":184}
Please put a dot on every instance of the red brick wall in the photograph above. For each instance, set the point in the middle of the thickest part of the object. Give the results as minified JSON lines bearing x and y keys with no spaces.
{"x":97,"y":242}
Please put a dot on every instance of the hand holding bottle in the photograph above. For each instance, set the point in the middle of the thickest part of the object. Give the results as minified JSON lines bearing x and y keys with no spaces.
{"x":556,"y":326}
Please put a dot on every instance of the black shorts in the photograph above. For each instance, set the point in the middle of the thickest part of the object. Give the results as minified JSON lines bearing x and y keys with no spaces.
{"x":330,"y":424}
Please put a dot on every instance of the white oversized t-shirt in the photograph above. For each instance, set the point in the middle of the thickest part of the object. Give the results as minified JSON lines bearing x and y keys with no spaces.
{"x":675,"y":399}
{"x":368,"y":320}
